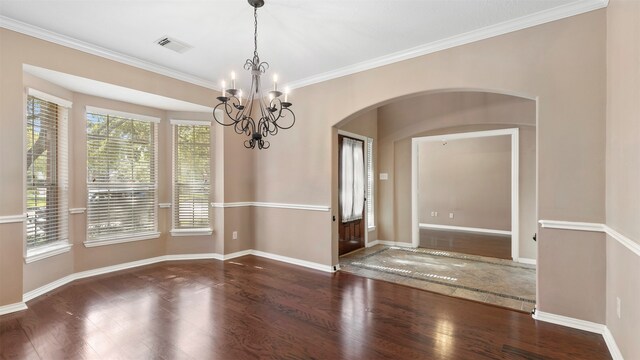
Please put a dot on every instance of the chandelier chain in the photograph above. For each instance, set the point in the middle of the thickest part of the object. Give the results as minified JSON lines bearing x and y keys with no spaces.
{"x":255,"y":31}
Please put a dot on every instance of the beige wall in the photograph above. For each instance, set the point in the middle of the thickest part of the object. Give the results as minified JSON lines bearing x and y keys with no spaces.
{"x":623,"y":172}
{"x":446,"y":113}
{"x":16,"y":277}
{"x":470,"y":178}
{"x":547,"y":63}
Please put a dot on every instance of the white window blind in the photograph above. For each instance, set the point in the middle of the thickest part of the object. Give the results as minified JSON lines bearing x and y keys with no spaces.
{"x":47,"y":173}
{"x":122,"y":175}
{"x":370,"y":184}
{"x":191,"y":174}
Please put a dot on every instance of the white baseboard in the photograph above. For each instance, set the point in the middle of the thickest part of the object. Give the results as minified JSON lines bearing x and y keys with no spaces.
{"x":569,"y":322}
{"x":527,"y":261}
{"x":294,"y":261}
{"x":236,"y":254}
{"x":465,"y":229}
{"x":372,"y":243}
{"x":582,"y":325}
{"x":394,"y":243}
{"x":28,"y":296}
{"x":11,"y":308}
{"x":204,"y":256}
{"x":611,"y":344}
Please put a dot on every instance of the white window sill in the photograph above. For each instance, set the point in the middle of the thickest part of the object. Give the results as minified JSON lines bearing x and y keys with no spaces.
{"x":104,"y":242}
{"x":47,"y":251}
{"x":371,"y":228}
{"x":191,"y":232}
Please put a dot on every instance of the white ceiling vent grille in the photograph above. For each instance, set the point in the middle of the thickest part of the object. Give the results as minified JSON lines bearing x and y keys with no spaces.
{"x":173,"y":44}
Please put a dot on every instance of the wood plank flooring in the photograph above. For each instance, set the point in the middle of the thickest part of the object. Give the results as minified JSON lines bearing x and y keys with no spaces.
{"x":254,"y":308}
{"x":466,"y":242}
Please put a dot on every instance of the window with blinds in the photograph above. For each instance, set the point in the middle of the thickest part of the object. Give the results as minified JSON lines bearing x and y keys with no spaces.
{"x":46,"y":172}
{"x":370,"y":185}
{"x":122,"y":175}
{"x":191,"y":175}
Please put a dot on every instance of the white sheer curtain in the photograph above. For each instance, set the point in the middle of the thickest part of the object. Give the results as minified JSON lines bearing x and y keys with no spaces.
{"x":352,"y":181}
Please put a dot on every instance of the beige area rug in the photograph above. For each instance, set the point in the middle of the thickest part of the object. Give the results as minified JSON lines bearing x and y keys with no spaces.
{"x":494,"y":281}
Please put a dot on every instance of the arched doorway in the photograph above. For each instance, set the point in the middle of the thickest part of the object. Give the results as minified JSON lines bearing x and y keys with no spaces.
{"x":393,"y":126}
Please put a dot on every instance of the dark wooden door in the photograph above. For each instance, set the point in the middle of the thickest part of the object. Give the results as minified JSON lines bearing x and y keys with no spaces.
{"x":351,"y":233}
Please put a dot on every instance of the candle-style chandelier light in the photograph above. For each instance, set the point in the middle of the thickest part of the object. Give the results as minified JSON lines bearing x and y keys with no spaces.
{"x":273,"y":114}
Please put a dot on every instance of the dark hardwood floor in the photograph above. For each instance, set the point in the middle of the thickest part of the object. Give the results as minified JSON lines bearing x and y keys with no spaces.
{"x":251,"y":308}
{"x":466,"y":242}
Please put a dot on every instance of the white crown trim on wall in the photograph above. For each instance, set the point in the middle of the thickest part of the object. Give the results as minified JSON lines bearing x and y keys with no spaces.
{"x":539,"y":18}
{"x":43,"y":34}
{"x":542,"y":17}
{"x":595,"y":227}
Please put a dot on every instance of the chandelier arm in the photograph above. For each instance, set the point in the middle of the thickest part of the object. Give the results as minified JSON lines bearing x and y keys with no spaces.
{"x":245,"y":126}
{"x":293,"y":119}
{"x":227,"y":109}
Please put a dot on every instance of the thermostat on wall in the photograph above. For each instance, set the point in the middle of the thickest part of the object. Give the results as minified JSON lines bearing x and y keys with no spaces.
{"x":384,"y":176}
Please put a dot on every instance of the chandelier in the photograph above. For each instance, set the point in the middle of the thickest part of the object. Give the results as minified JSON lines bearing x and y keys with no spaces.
{"x":271,"y":112}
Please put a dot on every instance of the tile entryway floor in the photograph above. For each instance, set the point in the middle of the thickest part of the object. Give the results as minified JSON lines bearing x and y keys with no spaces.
{"x":494,"y":281}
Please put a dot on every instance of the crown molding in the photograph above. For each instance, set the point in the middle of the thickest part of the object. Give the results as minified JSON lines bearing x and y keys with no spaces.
{"x":539,"y":18}
{"x":505,"y":27}
{"x":67,"y":41}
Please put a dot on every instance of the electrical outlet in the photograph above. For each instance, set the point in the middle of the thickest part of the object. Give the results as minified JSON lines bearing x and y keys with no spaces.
{"x":235,"y":235}
{"x":433,"y":213}
{"x":618,"y":306}
{"x":450,"y":215}
{"x":436,"y":213}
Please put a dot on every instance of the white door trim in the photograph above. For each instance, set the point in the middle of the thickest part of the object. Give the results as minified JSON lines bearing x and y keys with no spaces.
{"x":515,"y":223}
{"x":366,"y":171}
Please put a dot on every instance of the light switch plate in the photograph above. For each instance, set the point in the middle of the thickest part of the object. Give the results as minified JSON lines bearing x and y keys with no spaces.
{"x":384,"y":176}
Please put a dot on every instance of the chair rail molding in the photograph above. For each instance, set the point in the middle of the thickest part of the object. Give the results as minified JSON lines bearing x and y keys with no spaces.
{"x":9,"y":219}
{"x":594,"y":227}
{"x":272,"y":205}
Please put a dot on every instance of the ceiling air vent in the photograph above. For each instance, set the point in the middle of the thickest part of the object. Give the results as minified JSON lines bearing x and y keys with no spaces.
{"x":173,"y":44}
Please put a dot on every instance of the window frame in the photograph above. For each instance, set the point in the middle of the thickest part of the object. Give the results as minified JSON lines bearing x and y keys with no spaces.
{"x":60,"y":245}
{"x":371,"y":186}
{"x":126,"y":237}
{"x":195,"y":231}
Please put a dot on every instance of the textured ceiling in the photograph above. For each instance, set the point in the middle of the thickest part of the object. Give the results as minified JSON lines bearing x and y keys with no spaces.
{"x":301,"y":39}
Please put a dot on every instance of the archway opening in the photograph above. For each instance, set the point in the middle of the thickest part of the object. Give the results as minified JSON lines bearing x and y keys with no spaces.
{"x":389,"y":212}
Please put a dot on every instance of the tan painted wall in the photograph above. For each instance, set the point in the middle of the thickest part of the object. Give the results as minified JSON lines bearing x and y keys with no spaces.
{"x":547,"y":62}
{"x":470,"y":178}
{"x":16,"y":277}
{"x":623,"y":172}
{"x":579,"y":287}
{"x":444,"y":113}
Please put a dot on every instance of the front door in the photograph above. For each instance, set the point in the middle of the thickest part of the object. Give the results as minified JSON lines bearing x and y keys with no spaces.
{"x":352,"y":190}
